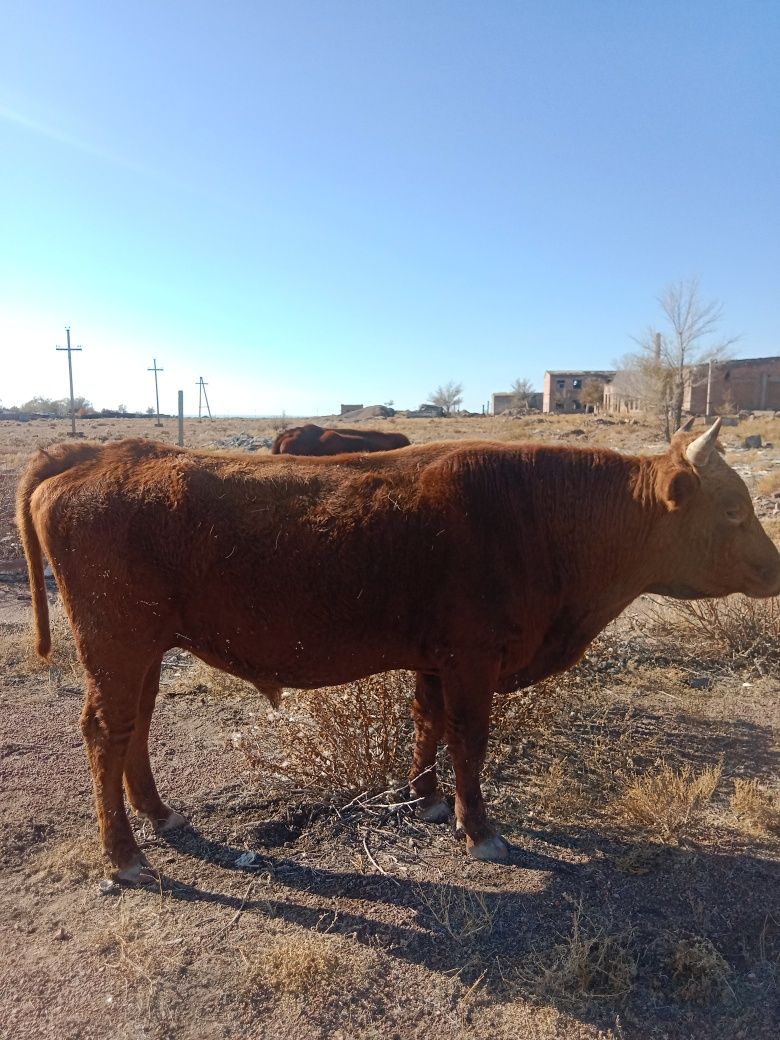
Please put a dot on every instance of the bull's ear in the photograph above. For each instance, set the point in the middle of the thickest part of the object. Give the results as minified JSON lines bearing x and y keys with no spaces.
{"x":687,"y":426}
{"x":677,"y":487}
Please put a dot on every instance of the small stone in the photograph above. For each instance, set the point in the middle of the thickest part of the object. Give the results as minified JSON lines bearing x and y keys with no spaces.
{"x":700,"y":682}
{"x":246,"y":859}
{"x":107,"y":887}
{"x":61,"y":935}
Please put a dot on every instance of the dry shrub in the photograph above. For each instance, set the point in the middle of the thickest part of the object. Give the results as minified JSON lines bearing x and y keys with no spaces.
{"x":737,"y":628}
{"x":337,"y":741}
{"x":197,"y":677}
{"x":699,"y":970}
{"x":591,"y":962}
{"x":298,"y":965}
{"x":461,"y":913}
{"x":669,"y":803}
{"x":757,"y":808}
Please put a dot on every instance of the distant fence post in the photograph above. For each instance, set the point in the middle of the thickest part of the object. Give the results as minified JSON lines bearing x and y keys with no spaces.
{"x":181,"y":418}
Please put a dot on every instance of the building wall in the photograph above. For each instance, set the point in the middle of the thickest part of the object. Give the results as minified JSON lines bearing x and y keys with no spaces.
{"x":746,"y":385}
{"x":563,"y":390}
{"x":504,"y":401}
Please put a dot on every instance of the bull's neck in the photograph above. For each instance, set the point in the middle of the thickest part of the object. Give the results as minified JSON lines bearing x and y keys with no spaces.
{"x":604,"y":529}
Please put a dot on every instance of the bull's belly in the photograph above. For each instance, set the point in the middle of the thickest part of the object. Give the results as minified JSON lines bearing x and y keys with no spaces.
{"x":301,"y":660}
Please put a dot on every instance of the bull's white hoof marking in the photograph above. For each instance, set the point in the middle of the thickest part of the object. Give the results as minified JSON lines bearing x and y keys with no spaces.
{"x":137,"y":874}
{"x":174,"y":820}
{"x":491,"y":850}
{"x":437,"y":812}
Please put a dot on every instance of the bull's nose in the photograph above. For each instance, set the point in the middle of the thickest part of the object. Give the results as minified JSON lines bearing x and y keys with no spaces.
{"x":769,"y":578}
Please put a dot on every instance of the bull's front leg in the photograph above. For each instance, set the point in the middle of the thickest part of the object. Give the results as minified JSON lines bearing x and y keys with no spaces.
{"x":428,"y":715}
{"x":468,"y":696}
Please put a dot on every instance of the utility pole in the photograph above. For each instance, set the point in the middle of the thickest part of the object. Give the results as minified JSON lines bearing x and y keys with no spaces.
{"x":709,"y":391}
{"x":203,"y":397}
{"x":155,"y":369}
{"x":70,"y":350}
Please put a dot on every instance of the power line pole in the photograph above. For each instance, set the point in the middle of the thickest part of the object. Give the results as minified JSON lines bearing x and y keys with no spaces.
{"x":155,"y":369}
{"x":70,"y":350}
{"x":202,"y":396}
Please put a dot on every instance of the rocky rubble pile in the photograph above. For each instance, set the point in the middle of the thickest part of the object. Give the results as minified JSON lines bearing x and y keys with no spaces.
{"x":243,"y":442}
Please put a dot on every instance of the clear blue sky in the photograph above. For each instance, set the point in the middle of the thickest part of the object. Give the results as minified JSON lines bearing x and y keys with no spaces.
{"x":311,"y":203}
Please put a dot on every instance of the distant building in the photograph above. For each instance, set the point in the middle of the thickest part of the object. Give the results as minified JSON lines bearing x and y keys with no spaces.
{"x":749,"y":385}
{"x":502,"y":402}
{"x":347,"y":408}
{"x":563,"y":390}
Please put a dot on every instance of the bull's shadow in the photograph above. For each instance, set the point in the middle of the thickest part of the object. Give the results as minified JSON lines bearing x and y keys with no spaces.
{"x":653,"y":896}
{"x":732,"y":901}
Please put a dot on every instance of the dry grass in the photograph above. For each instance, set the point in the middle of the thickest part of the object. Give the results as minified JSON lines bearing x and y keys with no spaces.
{"x":755,"y":807}
{"x":699,"y":971}
{"x":143,"y":947}
{"x":463,"y":914}
{"x":17,"y":648}
{"x":667,"y":804}
{"x":75,"y":861}
{"x":592,"y":962}
{"x":770,"y":484}
{"x":573,"y":744}
{"x":299,"y":965}
{"x":338,"y":741}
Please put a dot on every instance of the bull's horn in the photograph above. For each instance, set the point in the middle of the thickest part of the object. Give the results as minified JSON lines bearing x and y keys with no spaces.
{"x":699,"y":451}
{"x":687,"y":426}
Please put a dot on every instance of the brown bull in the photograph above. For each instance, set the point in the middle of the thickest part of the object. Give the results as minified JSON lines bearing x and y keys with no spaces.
{"x":318,"y":440}
{"x":480,"y":566}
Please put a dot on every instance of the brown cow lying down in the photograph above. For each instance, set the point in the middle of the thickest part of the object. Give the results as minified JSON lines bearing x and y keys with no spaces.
{"x":480,"y":566}
{"x":318,"y":440}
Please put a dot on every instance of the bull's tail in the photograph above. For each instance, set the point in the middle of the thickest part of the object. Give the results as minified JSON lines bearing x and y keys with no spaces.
{"x":46,"y":464}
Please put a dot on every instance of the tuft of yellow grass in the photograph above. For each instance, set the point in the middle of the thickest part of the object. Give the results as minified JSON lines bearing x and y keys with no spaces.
{"x":298,"y":965}
{"x":591,"y":962}
{"x":755,"y":807}
{"x":668,"y":803}
{"x":462,"y":913}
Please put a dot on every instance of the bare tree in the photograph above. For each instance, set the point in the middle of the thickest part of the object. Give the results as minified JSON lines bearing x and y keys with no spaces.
{"x":592,"y":393}
{"x":668,"y":356}
{"x":523,"y":391}
{"x":448,"y":397}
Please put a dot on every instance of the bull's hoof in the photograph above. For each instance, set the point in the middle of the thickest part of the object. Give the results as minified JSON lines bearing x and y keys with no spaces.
{"x":172,"y":821}
{"x":137,"y":873}
{"x":438,"y":811}
{"x":491,"y":850}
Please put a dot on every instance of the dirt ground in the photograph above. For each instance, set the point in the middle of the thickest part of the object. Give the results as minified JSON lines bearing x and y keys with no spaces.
{"x":291,"y":911}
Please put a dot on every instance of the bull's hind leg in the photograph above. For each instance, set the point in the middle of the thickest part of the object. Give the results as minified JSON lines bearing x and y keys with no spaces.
{"x":139,"y":780}
{"x":428,"y":715}
{"x":107,"y":723}
{"x":468,"y":695}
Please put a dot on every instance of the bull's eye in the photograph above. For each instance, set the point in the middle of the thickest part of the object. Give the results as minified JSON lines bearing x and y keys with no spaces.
{"x":736,"y":514}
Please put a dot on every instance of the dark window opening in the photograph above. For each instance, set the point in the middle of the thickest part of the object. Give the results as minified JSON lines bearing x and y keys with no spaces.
{"x":577,"y":384}
{"x":561,"y":384}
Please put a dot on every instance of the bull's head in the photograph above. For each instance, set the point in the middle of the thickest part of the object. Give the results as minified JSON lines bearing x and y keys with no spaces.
{"x":712,"y":540}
